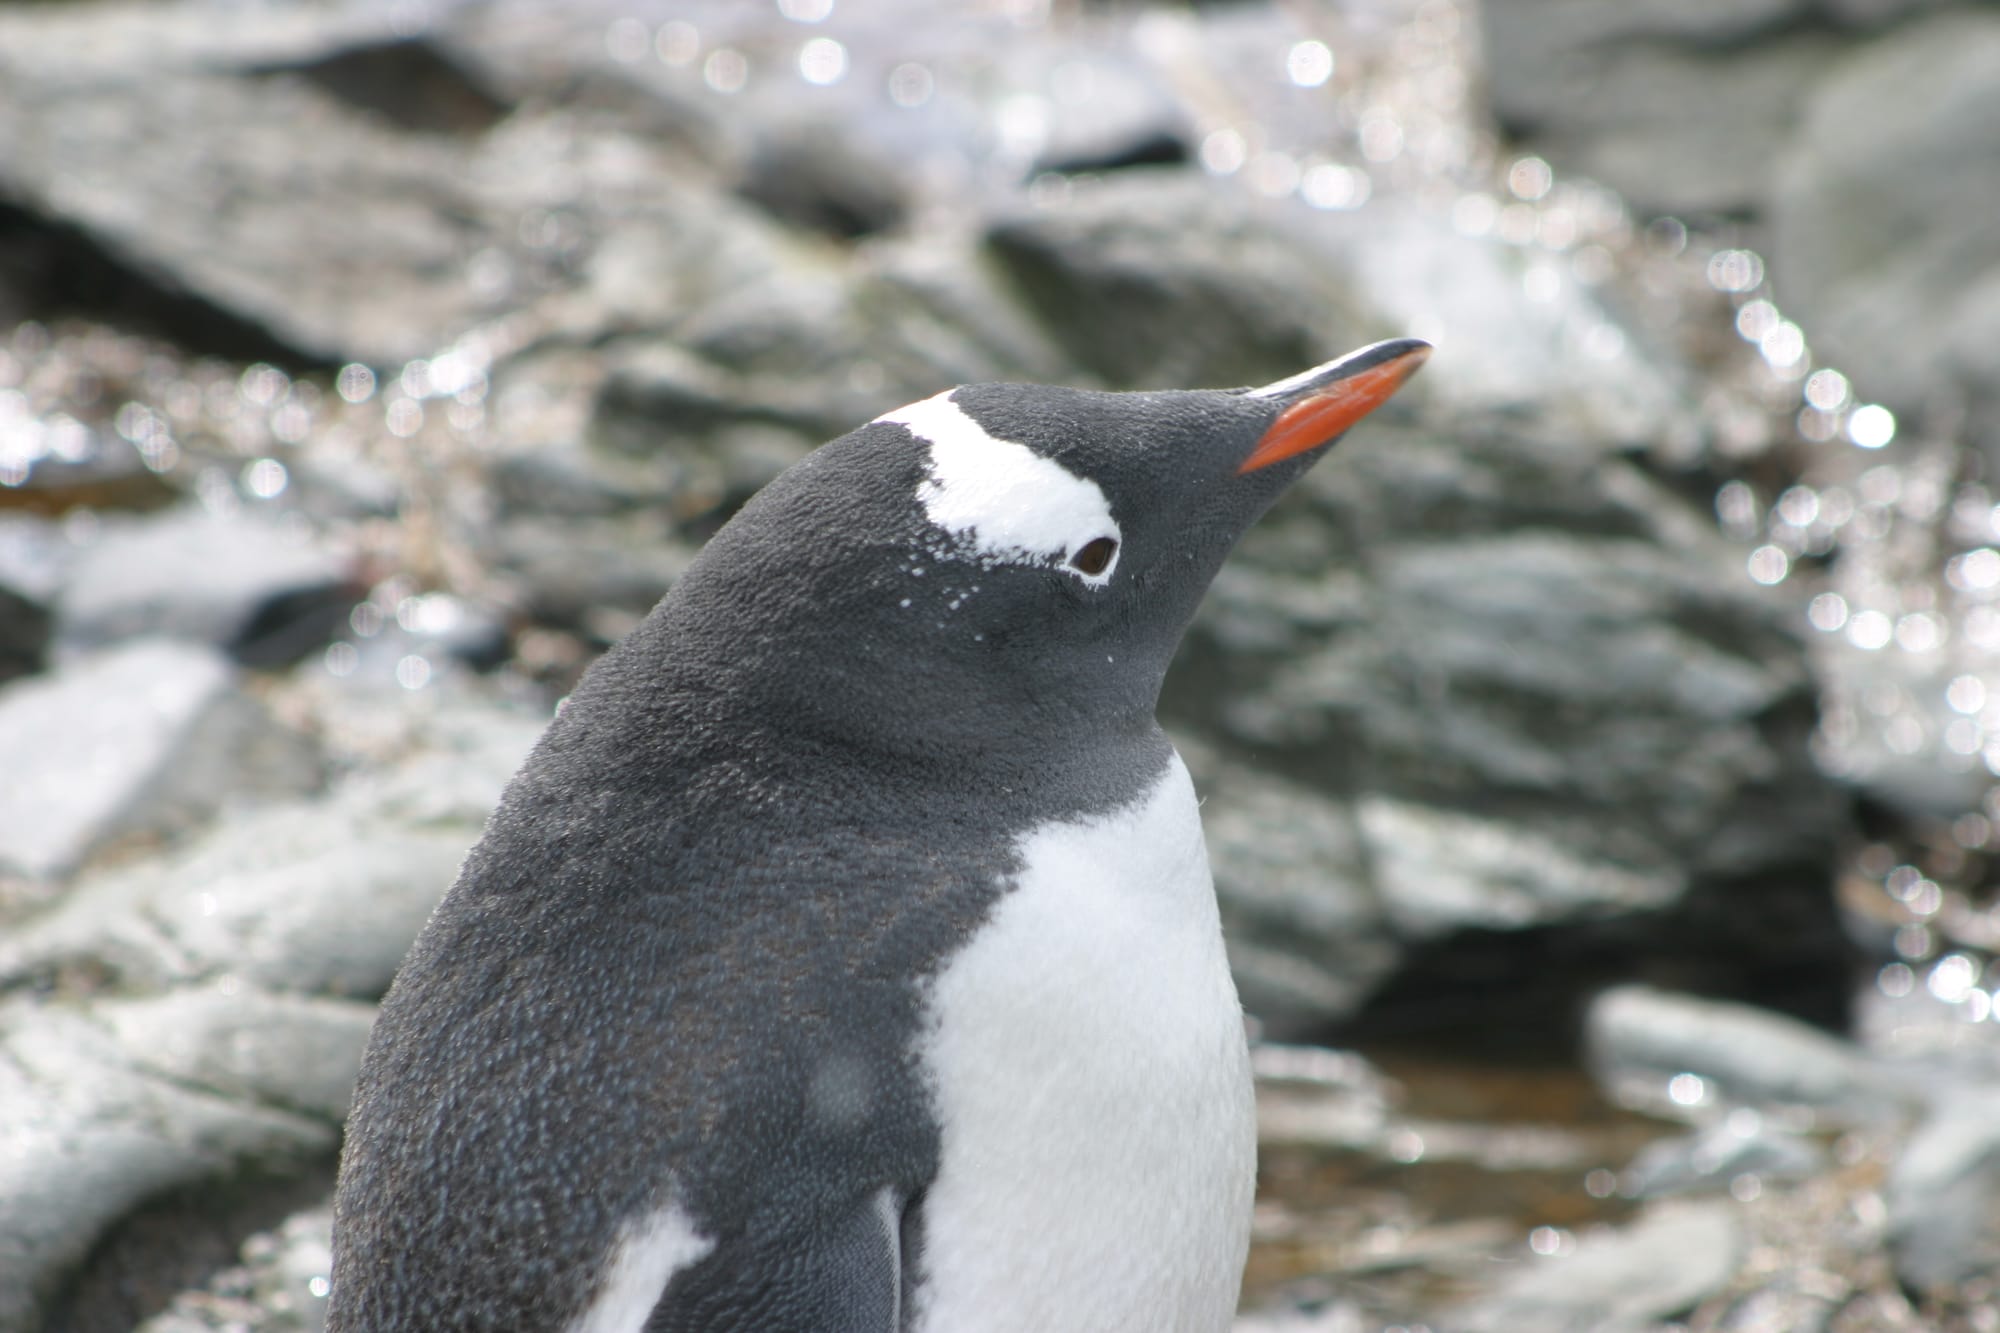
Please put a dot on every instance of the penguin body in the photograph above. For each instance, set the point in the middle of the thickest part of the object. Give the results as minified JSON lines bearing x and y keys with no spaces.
{"x":845,"y":955}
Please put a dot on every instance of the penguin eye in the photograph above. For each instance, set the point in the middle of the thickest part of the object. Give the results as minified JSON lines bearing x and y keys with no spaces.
{"x":1094,"y":557}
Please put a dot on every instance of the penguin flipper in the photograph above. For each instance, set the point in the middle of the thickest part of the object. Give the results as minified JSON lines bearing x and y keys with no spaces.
{"x":846,"y":1278}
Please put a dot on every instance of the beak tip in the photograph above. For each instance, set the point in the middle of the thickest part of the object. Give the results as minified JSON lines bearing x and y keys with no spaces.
{"x":1324,"y":402}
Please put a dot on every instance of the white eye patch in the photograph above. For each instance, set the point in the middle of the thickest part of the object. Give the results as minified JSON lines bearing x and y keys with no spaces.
{"x":1006,"y":499}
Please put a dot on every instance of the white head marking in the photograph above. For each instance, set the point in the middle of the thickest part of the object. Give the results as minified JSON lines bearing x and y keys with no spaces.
{"x":1009,"y":501}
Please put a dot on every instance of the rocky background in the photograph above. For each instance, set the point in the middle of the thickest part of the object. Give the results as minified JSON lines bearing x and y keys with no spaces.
{"x":1596,"y":750}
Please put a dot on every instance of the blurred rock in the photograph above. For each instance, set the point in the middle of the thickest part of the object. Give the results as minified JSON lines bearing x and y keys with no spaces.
{"x":1944,"y":1196}
{"x":33,"y":556}
{"x":146,"y":740}
{"x":264,"y":592}
{"x":280,"y":1285}
{"x":820,"y":179}
{"x":1915,"y":781}
{"x":1161,"y":278}
{"x":89,"y":1136}
{"x":393,"y":217}
{"x":1518,"y":332}
{"x":1883,"y":242}
{"x":1740,"y":1144}
{"x":1534,"y":680}
{"x":1681,"y":108}
{"x":321,"y":898}
{"x":1664,"y":1264}
{"x":199,"y":1032}
{"x":1308,"y":941}
{"x":295,"y":1052}
{"x":601,"y":578}
{"x":1639,"y":1041}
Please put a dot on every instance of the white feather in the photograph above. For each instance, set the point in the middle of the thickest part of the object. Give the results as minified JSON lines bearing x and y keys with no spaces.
{"x":1008,"y":500}
{"x":1093,"y":1089}
{"x":648,"y":1252}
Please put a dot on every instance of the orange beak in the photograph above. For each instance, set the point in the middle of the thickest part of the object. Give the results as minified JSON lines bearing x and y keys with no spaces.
{"x":1328,"y":400}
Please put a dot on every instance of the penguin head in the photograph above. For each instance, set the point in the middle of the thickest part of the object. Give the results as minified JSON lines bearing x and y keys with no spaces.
{"x":1010,"y":552}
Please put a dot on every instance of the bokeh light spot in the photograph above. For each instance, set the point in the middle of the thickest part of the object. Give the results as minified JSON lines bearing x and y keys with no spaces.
{"x":1871,"y":426}
{"x":1735,"y":270}
{"x":823,"y":62}
{"x":1309,"y":64}
{"x":911,"y":84}
{"x":725,"y":70}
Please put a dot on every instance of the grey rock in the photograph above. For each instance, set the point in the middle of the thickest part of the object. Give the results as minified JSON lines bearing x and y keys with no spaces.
{"x":818,"y":178}
{"x":33,"y":555}
{"x":1539,"y":689}
{"x":1308,"y":940}
{"x":937,"y":316}
{"x":264,"y":591}
{"x":1933,"y":782}
{"x":1741,"y":1143}
{"x":1681,"y":108}
{"x":390,"y":279}
{"x":294,"y":1052}
{"x":321,"y":898}
{"x":1943,"y":1194}
{"x":280,"y":1285}
{"x":741,"y":380}
{"x":88,"y":1137}
{"x":297,"y":897}
{"x":1162,"y":277}
{"x":1648,"y":716}
{"x":146,"y":740}
{"x":1664,"y":1264}
{"x":1638,"y":1040}
{"x":1564,"y":359}
{"x":1884,"y":243}
{"x":1440,"y":871}
{"x":598,"y":577}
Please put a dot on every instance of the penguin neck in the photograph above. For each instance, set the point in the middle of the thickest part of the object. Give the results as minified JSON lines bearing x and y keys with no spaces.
{"x":701,"y":693}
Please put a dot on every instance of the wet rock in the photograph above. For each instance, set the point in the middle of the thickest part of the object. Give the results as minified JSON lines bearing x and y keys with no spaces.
{"x":209,"y":1065}
{"x":1309,"y":1095}
{"x":1682,"y":108}
{"x":601,"y":578}
{"x":1642,"y":1042}
{"x":391,"y":280}
{"x":666,"y":421}
{"x":1308,"y":942}
{"x":1545,"y":699}
{"x":1882,"y":244}
{"x":1944,"y":1196}
{"x":412,"y":83}
{"x":33,"y":556}
{"x":1162,"y":277}
{"x":1917,"y":781}
{"x":89,"y":1136}
{"x":1664,"y":1264}
{"x":265,"y":592}
{"x":296,"y":1052}
{"x":308,"y":898}
{"x":280,"y":1285}
{"x":322,"y":898}
{"x":1741,"y":1144}
{"x":1561,"y":358}
{"x":819,"y":179}
{"x":146,"y":740}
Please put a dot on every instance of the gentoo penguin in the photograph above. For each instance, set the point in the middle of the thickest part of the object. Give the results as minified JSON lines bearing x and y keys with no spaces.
{"x":845,"y":957}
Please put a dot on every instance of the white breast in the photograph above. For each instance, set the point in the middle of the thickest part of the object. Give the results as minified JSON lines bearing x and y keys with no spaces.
{"x":1099,"y":1134}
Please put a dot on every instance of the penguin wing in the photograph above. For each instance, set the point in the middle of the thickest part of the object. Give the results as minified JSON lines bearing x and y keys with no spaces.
{"x":842,"y":1277}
